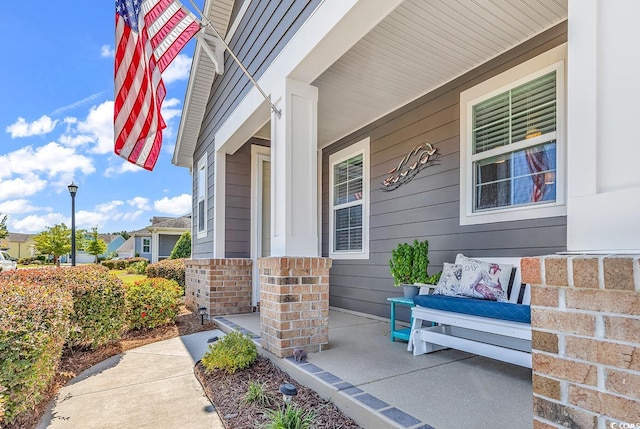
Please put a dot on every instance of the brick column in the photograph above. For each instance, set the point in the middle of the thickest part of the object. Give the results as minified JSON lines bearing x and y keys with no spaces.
{"x":585,"y":318}
{"x":294,"y":304}
{"x":223,"y":286}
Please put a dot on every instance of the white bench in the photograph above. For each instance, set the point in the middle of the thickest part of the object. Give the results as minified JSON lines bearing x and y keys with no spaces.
{"x":504,"y":340}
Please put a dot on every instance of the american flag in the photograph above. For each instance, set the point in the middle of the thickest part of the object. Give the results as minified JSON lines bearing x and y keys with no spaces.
{"x":149,"y":35}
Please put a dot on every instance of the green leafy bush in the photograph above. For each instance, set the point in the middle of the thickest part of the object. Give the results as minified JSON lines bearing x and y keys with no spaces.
{"x":115,"y":264}
{"x":98,"y":306}
{"x":233,"y":352}
{"x":289,"y":417}
{"x":172,"y":269}
{"x":152,"y":302}
{"x":34,"y":323}
{"x":139,"y":267}
{"x":409,"y":263}
{"x":182,"y":249}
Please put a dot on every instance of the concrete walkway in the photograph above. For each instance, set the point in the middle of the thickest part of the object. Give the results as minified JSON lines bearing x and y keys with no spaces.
{"x":149,"y":387}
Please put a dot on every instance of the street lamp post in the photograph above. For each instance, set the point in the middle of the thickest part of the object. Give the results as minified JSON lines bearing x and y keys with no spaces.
{"x":73,"y":188}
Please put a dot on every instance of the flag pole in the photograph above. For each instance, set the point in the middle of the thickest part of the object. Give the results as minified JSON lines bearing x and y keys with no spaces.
{"x":208,"y":23}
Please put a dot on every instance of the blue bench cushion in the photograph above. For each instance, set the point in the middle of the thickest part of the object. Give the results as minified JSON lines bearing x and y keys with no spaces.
{"x":476,"y":307}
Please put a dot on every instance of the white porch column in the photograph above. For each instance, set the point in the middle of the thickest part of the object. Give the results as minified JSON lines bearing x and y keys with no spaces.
{"x":155,"y":247}
{"x":219,"y":203}
{"x":603,"y":139}
{"x":294,"y":142}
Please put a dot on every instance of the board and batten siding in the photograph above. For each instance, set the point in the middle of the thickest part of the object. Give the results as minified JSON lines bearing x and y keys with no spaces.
{"x":428,"y":207}
{"x":265,"y":29}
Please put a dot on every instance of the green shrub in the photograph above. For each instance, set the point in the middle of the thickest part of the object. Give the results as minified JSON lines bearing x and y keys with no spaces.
{"x":34,"y":322}
{"x":98,"y":306}
{"x":152,"y":302}
{"x":289,"y":417}
{"x":2,"y":401}
{"x":115,"y":264}
{"x":139,"y":267}
{"x":233,"y":352}
{"x":182,"y":249}
{"x":172,"y":269}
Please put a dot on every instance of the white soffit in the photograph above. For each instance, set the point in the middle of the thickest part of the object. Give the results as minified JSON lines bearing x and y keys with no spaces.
{"x":199,"y":87}
{"x":417,"y":48}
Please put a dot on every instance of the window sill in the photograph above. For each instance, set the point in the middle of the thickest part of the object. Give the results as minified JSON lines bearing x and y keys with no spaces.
{"x":513,"y":214}
{"x":349,"y":255}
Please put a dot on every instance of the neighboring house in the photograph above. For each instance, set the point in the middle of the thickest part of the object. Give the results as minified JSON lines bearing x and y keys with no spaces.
{"x":18,"y":245}
{"x":113,"y":242}
{"x":156,"y":241}
{"x":530,"y":106}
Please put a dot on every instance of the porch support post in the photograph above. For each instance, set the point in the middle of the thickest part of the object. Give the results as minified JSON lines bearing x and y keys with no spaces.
{"x":294,"y":144}
{"x":219,"y":203}
{"x":602,"y":90}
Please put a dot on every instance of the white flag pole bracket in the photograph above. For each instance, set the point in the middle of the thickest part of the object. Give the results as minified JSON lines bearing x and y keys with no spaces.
{"x":217,"y":39}
{"x":214,"y":48}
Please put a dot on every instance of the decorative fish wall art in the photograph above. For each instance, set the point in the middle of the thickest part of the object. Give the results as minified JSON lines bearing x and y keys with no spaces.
{"x":411,"y":164}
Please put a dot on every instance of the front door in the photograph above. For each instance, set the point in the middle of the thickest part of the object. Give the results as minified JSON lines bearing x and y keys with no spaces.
{"x":260,"y":213}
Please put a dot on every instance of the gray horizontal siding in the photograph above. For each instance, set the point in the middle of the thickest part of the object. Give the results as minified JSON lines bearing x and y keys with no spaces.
{"x":264,"y":30}
{"x":238,"y":201}
{"x":428,"y":207}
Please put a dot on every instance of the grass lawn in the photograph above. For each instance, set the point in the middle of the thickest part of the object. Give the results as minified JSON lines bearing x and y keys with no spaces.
{"x":127,"y":278}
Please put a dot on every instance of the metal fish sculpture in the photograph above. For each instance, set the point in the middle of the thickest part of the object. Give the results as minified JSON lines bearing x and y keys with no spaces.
{"x":418,"y":158}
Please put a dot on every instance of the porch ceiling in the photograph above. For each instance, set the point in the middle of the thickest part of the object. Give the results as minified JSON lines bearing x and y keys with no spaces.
{"x":419,"y":47}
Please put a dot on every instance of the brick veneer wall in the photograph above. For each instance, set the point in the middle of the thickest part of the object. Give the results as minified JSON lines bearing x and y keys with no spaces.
{"x":223,"y":286}
{"x":585,"y":318}
{"x":294,"y":304}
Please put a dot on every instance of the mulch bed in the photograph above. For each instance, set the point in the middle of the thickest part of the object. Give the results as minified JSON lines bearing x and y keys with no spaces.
{"x":227,"y":393}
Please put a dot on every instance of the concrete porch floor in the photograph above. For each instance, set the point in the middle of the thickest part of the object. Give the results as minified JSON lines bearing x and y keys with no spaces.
{"x":380,"y":384}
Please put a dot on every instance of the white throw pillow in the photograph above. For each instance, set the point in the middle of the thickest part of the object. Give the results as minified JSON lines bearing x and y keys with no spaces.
{"x":449,"y":283}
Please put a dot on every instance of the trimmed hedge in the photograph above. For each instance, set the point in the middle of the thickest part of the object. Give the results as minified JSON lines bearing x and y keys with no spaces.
{"x":34,"y":323}
{"x":172,"y":269}
{"x":98,"y":306}
{"x":152,"y":302}
{"x":122,"y":264}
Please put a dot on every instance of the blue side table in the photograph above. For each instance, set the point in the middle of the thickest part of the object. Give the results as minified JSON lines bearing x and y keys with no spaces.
{"x":402,"y":334}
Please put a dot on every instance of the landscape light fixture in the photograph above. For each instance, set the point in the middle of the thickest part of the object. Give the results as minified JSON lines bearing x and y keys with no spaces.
{"x":73,"y":188}
{"x":202,"y":311}
{"x":288,"y":391}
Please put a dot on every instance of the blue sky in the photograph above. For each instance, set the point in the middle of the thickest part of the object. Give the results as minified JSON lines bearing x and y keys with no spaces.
{"x":56,"y":124}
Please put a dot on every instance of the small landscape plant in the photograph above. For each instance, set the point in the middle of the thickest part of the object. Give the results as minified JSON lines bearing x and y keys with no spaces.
{"x":233,"y":352}
{"x":152,"y":302}
{"x":257,"y":394}
{"x":289,"y":417}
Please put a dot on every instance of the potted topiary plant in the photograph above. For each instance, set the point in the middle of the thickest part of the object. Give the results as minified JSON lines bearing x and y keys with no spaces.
{"x":408,"y":266}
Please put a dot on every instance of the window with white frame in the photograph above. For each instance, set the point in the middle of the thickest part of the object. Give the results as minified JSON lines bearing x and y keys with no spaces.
{"x":201,"y":206}
{"x":349,"y":202}
{"x":512,"y":145}
{"x":146,"y":245}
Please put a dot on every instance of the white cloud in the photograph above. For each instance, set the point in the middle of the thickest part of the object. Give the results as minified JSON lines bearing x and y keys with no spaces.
{"x":107,"y":51}
{"x":131,"y":216}
{"x":178,"y":69}
{"x":99,"y":125}
{"x":21,"y":187}
{"x":35,"y":223}
{"x":51,"y":159}
{"x":100,"y":215}
{"x":17,"y":207}
{"x":21,"y":128}
{"x":123,"y":167}
{"x":176,"y":206}
{"x":141,"y":203}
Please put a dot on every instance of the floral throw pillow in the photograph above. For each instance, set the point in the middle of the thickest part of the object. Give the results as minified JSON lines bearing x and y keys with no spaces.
{"x":449,"y":283}
{"x":485,"y":280}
